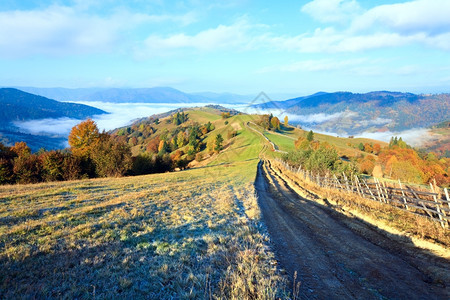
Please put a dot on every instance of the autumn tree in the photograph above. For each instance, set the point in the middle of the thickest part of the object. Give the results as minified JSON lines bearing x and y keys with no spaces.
{"x":6,"y":164}
{"x":21,"y":149}
{"x":163,"y":148}
{"x":153,"y":145}
{"x":275,"y":122}
{"x":82,"y":137}
{"x":286,"y":119}
{"x":72,"y":166}
{"x":376,"y":148}
{"x":110,"y":158}
{"x":181,"y":139}
{"x":27,"y":168}
{"x":368,"y":148}
{"x":52,"y":165}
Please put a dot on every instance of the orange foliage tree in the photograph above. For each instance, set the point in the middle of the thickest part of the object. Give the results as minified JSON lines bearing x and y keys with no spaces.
{"x":82,"y":137}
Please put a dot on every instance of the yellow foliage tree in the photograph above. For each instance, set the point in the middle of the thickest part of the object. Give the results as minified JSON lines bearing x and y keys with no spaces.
{"x":83,"y":137}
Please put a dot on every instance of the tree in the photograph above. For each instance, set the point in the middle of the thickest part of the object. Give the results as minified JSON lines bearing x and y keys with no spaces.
{"x":27,"y":169}
{"x":110,"y":158}
{"x":72,"y":167}
{"x":310,"y":136}
{"x":21,"y":149}
{"x":82,"y":137}
{"x":218,"y":142}
{"x":368,"y":148}
{"x":163,"y":148}
{"x":376,"y":148}
{"x":52,"y":165}
{"x":275,"y":123}
{"x":286,"y":119}
{"x":153,"y":145}
{"x":181,"y":139}
{"x":361,"y":146}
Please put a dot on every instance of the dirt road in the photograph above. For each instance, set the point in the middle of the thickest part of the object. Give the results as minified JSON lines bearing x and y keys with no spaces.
{"x":332,"y":261}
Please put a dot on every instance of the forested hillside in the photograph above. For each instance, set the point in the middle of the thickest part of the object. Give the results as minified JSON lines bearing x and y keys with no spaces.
{"x":350,"y":113}
{"x":19,"y":106}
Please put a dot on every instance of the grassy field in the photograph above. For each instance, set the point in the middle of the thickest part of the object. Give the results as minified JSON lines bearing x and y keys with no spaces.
{"x":190,"y":234}
{"x":283,"y":142}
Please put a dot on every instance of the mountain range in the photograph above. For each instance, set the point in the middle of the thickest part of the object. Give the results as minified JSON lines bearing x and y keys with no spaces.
{"x":352,"y":113}
{"x":136,"y":95}
{"x":20,"y":106}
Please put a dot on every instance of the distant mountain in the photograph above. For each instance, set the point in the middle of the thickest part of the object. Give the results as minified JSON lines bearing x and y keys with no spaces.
{"x":17,"y":106}
{"x":20,"y":106}
{"x":350,"y":113}
{"x":136,"y":95}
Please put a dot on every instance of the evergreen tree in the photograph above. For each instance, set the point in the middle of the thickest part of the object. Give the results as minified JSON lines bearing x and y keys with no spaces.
{"x":310,"y":136}
{"x":218,"y":143}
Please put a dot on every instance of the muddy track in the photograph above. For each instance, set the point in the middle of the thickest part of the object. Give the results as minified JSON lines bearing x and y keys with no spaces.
{"x":332,"y":261}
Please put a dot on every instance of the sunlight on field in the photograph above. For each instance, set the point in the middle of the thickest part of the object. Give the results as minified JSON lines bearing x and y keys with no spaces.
{"x":190,"y":234}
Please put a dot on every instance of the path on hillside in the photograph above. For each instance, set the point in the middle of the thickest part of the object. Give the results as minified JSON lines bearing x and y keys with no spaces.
{"x":274,"y":147}
{"x":332,"y":261}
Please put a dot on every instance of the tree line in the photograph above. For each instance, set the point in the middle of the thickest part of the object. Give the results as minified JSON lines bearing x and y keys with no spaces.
{"x":396,"y":161}
{"x":95,"y":154}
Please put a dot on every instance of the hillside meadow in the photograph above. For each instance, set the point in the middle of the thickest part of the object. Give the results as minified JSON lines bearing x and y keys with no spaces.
{"x":190,"y":234}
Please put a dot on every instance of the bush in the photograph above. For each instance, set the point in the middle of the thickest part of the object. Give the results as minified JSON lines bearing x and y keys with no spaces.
{"x":199,"y":157}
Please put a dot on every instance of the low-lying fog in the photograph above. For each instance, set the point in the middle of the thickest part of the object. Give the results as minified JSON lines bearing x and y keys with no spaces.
{"x":122,"y":114}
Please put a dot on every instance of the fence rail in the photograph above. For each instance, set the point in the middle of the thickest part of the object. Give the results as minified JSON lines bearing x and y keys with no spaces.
{"x":432,"y":204}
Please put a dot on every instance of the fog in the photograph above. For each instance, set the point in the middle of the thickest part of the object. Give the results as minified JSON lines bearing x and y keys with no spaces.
{"x":415,"y":137}
{"x":122,"y":114}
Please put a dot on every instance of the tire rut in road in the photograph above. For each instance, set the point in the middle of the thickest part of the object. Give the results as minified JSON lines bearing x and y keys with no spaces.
{"x":331,"y":260}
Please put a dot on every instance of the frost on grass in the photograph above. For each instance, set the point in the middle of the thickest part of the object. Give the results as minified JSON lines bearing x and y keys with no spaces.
{"x":177,"y":235}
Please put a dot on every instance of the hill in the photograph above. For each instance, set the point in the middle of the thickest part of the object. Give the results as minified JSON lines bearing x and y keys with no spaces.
{"x":349,"y":113}
{"x":439,"y":141}
{"x":20,"y":106}
{"x":200,"y":232}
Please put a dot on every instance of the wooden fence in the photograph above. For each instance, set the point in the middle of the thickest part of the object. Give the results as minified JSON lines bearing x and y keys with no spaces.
{"x":431,"y":203}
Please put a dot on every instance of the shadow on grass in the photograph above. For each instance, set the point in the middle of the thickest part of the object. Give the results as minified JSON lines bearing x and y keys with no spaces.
{"x":167,"y":263}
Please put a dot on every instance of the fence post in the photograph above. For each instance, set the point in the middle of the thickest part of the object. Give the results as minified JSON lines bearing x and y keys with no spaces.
{"x":358,"y":188}
{"x":338,"y":182}
{"x":378,"y":190}
{"x":370,"y":191}
{"x":448,"y":198}
{"x":403,"y":193}
{"x":437,"y":206}
{"x":346,"y":182}
{"x":386,"y":192}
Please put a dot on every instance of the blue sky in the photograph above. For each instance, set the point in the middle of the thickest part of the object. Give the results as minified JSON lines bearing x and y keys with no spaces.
{"x":297,"y":47}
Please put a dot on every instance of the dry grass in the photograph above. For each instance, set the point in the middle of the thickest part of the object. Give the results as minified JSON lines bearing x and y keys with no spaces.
{"x":191,"y":234}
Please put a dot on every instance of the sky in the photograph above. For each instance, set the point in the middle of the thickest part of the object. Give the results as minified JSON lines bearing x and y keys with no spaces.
{"x":244,"y":47}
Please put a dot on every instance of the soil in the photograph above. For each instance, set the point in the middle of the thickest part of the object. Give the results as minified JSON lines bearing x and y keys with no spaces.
{"x":331,"y":260}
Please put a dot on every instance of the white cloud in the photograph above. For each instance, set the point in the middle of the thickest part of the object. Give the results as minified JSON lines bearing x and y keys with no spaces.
{"x":64,"y":30}
{"x":221,"y":37}
{"x":424,"y":22}
{"x":315,"y":65}
{"x":332,"y":10}
{"x":430,"y":16}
